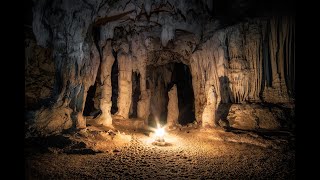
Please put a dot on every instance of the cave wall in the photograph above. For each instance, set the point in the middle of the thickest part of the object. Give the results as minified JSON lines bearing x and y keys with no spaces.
{"x":250,"y":60}
{"x":64,"y":26}
{"x":39,"y":73}
{"x":233,"y":65}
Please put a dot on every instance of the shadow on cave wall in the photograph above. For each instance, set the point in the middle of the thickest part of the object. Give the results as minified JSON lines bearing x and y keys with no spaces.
{"x":115,"y":86}
{"x":135,"y":95}
{"x":157,"y":85}
{"x":225,"y":104}
{"x":89,"y":108}
{"x":183,"y":79}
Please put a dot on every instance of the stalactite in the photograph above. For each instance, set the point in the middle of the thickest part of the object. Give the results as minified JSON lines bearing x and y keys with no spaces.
{"x":139,"y":46}
{"x":274,"y":50}
{"x":107,"y":32}
{"x":239,"y":63}
{"x":205,"y":78}
{"x":260,"y":79}
{"x":289,"y":57}
{"x":244,"y":71}
{"x":252,"y":48}
{"x":283,"y":34}
{"x":279,"y":54}
{"x":167,"y":34}
{"x":147,"y":6}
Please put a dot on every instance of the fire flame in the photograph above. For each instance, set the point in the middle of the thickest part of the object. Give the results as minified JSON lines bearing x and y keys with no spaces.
{"x":160,"y":132}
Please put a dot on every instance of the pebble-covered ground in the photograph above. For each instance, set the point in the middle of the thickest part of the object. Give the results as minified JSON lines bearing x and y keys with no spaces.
{"x":188,"y":154}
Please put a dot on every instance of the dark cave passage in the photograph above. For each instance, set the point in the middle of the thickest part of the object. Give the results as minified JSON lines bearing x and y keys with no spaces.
{"x":135,"y":94}
{"x":182,"y":78}
{"x":162,"y":79}
{"x":158,"y":79}
{"x":115,"y":86}
{"x":89,"y":104}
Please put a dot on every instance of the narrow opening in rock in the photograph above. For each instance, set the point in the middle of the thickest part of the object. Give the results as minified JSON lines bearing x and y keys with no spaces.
{"x":135,"y":94}
{"x":159,"y":78}
{"x":115,"y":87}
{"x":183,"y":79}
{"x":89,"y":108}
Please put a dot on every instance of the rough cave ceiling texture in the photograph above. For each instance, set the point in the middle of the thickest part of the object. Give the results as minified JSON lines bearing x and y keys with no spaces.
{"x":236,"y":54}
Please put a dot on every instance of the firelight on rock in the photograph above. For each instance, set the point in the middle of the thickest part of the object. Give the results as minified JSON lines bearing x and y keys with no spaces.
{"x":159,"y":133}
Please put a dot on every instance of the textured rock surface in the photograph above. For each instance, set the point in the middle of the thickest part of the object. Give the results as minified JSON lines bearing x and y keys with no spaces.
{"x":173,"y":109}
{"x":125,"y":85}
{"x":256,"y":116}
{"x":39,"y":73}
{"x":129,"y":124}
{"x":245,"y":61}
{"x":64,"y":26}
{"x":236,"y":66}
{"x":208,"y":115}
{"x":106,"y":87}
{"x":52,"y":121}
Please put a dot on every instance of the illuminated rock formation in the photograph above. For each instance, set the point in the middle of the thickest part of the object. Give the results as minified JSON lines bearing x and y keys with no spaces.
{"x":173,"y":109}
{"x":247,"y":61}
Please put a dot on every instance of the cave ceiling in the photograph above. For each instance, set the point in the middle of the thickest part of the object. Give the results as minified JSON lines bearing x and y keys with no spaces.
{"x":177,"y":28}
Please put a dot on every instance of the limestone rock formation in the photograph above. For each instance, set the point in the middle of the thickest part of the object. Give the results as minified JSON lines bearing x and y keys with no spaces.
{"x":52,"y":121}
{"x":255,"y":116}
{"x":208,"y":115}
{"x":173,"y":109}
{"x":244,"y":60}
{"x":125,"y":85}
{"x":106,"y":86}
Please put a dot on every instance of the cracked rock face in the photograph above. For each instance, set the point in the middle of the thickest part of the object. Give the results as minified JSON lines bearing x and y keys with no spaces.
{"x":230,"y":61}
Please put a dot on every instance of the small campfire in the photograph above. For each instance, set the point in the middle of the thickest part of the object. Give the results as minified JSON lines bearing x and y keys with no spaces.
{"x":159,"y":137}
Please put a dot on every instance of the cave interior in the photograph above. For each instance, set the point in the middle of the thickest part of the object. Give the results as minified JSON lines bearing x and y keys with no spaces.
{"x":126,"y":65}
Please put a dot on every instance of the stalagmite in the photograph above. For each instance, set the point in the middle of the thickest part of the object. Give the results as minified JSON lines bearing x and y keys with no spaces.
{"x":125,"y":84}
{"x":105,"y":78}
{"x":138,"y":46}
{"x":144,"y":101}
{"x":208,"y":115}
{"x":243,"y":62}
{"x":173,"y":109}
{"x":206,"y":66}
{"x":157,"y":89}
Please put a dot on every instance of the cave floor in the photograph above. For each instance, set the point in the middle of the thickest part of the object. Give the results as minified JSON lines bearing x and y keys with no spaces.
{"x":189,"y":154}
